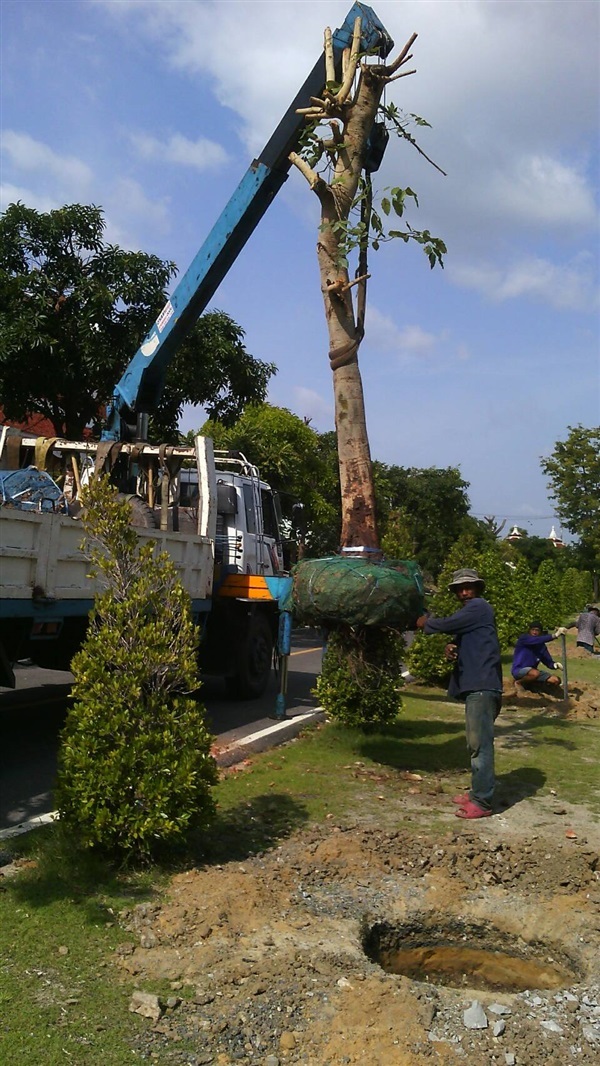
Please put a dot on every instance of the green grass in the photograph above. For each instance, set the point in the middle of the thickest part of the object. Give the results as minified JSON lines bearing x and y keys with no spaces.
{"x":59,"y":1001}
{"x":69,"y":1007}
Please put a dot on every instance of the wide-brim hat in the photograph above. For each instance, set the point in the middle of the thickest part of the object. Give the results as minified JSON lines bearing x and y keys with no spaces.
{"x":466,"y":577}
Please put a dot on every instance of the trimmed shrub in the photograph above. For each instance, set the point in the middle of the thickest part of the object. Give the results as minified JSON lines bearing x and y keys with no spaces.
{"x":135,"y":768}
{"x":576,"y":589}
{"x":547,"y":584}
{"x":397,"y":542}
{"x":361,"y":677}
{"x":426,"y":661}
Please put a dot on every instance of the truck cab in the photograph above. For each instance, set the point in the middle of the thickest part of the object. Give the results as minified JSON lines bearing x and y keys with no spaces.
{"x":248,"y":524}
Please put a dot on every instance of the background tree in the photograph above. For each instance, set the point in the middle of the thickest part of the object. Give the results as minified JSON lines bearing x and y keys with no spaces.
{"x":434,"y":506}
{"x":548,"y":605}
{"x":397,"y":541}
{"x":573,"y":470}
{"x":576,"y":590}
{"x":337,"y":163}
{"x":73,"y":312}
{"x":297,"y":462}
{"x":491,"y":523}
{"x":537,"y":550}
{"x":421,"y":513}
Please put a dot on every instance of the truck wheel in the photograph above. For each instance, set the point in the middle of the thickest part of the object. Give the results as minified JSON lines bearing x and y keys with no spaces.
{"x":58,"y":654}
{"x":142,"y":514}
{"x":254,"y":662}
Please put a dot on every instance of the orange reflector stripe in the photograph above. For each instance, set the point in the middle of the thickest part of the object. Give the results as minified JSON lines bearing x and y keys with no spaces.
{"x":246,"y":586}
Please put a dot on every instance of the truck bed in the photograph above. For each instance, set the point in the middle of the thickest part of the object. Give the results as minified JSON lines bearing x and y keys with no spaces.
{"x":41,"y":552}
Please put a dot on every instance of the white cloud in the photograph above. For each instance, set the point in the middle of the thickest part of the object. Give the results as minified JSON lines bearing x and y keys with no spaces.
{"x":126,"y":205}
{"x":202,"y":154}
{"x":542,"y":190}
{"x":27,"y":154}
{"x":513,"y":138}
{"x":258,"y":53}
{"x":66,"y":179}
{"x":12,"y":194}
{"x":565,"y":287}
{"x":310,"y":404}
{"x":384,"y":335}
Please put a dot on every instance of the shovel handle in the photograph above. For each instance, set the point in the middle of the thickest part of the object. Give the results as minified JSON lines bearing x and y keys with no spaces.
{"x":563,"y":641}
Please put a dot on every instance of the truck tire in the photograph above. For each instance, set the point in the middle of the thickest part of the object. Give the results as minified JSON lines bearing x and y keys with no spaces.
{"x":142,"y":514}
{"x":254,"y":660}
{"x":58,"y":654}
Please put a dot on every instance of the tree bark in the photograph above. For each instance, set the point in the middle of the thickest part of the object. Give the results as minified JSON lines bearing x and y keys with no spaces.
{"x":359,"y":526}
{"x":356,"y":475}
{"x":347,"y":151}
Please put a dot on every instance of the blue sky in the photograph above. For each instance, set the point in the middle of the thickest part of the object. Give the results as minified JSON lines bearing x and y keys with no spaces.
{"x":154,"y":110}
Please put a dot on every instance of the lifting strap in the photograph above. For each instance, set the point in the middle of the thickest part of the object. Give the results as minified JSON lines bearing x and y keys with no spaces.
{"x":43,"y":445}
{"x":107,"y":453}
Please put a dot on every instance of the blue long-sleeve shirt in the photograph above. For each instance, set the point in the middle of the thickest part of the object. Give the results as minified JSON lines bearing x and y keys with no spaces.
{"x":531,"y":650}
{"x":478,"y":666}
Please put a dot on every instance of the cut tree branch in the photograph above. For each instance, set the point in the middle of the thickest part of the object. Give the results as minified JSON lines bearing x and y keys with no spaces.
{"x":402,"y":74}
{"x":363,"y":277}
{"x":403,"y":57}
{"x":329,"y":59}
{"x":344,"y":91}
{"x":311,"y":175}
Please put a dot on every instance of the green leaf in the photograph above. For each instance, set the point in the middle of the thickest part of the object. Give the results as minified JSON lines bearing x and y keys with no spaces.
{"x":420,"y":121}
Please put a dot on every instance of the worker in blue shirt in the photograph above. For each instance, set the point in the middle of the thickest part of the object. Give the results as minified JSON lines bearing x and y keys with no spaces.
{"x":477,"y":680}
{"x":530,"y":651}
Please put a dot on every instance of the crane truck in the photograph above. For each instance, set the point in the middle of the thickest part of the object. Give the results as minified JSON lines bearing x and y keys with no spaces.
{"x":212,"y":512}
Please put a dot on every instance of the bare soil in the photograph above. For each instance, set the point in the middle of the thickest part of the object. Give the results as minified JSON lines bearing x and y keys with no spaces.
{"x":274,"y":960}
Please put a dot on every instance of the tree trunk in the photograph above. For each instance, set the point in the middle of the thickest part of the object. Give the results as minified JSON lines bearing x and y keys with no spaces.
{"x":359,"y":527}
{"x":356,"y":475}
{"x":351,"y":122}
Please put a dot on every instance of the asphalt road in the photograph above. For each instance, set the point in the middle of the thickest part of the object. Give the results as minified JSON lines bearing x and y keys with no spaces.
{"x":32,"y":715}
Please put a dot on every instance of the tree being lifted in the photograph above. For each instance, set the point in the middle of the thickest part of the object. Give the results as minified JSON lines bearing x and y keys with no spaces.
{"x":358,"y":130}
{"x":347,"y":132}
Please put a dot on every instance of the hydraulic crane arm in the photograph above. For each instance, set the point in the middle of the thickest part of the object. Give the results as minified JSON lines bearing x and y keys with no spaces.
{"x":140,"y":387}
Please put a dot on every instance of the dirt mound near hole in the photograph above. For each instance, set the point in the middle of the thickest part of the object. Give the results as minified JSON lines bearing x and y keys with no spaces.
{"x":266,"y":964}
{"x":583,"y":701}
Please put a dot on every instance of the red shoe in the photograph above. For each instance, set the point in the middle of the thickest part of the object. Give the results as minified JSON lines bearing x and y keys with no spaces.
{"x":472,"y":810}
{"x":461,"y":799}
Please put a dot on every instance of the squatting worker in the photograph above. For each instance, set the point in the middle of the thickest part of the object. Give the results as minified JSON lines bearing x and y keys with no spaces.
{"x":530,"y":651}
{"x":477,"y":680}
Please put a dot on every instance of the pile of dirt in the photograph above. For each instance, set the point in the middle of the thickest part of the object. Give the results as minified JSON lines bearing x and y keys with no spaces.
{"x":266,"y":960}
{"x":583,"y":700}
{"x":581,"y":653}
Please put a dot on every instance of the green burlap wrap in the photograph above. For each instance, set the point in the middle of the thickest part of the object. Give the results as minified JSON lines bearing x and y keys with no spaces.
{"x":357,"y":592}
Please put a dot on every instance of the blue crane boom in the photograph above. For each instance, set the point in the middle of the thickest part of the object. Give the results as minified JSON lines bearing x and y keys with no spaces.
{"x":140,"y":387}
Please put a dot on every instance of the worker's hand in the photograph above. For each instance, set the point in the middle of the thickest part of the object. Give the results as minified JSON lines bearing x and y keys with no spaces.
{"x":420,"y":622}
{"x":560,"y":632}
{"x":558,"y":666}
{"x":451,"y":652}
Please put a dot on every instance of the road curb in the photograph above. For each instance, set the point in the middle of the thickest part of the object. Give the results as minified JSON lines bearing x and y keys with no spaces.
{"x":225,"y":755}
{"x":272,"y":736}
{"x":26,"y":827}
